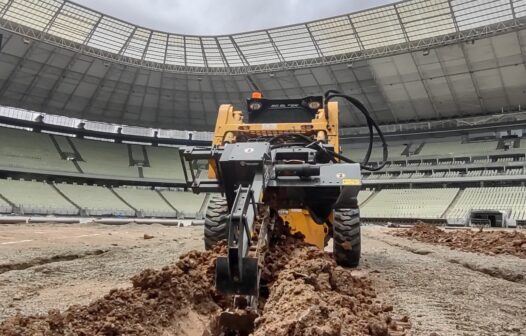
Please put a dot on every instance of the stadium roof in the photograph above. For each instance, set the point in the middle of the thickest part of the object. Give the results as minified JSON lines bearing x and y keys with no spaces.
{"x":408,"y":61}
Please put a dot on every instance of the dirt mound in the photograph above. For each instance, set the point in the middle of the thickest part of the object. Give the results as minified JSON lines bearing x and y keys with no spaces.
{"x":313,"y":296}
{"x":160,"y":302}
{"x":488,"y":242}
{"x":308,"y":295}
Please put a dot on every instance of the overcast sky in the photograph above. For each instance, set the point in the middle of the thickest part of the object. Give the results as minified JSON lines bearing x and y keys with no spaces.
{"x":210,"y":17}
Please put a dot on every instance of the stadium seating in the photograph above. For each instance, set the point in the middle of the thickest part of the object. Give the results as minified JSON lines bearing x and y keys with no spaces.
{"x":96,"y":200}
{"x":148,"y":202}
{"x":165,"y":163}
{"x":105,"y":158}
{"x":492,"y":198}
{"x":409,"y":203}
{"x":187,"y":204}
{"x":5,"y":207}
{"x":455,"y":148}
{"x":364,"y":196}
{"x":23,"y":149}
{"x":358,"y":153}
{"x":36,"y":198}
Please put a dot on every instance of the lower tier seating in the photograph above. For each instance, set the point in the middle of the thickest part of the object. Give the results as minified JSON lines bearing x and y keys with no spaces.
{"x":36,"y":198}
{"x":409,"y":203}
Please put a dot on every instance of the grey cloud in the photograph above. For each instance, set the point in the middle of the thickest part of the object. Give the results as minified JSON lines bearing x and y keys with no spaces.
{"x":212,"y":17}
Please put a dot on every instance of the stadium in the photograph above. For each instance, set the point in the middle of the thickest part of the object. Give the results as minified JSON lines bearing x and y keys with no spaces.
{"x":98,"y":116}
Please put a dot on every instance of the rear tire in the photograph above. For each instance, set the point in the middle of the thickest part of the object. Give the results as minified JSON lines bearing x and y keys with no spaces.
{"x":347,"y":237}
{"x":216,"y":221}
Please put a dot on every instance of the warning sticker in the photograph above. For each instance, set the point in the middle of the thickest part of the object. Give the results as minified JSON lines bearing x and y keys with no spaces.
{"x":351,"y":182}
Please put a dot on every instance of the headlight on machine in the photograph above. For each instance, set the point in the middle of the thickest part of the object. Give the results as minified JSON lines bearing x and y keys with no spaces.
{"x":314,"y":105}
{"x":254,"y":106}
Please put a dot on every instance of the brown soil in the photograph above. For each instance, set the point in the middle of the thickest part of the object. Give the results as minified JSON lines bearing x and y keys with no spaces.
{"x":308,"y":295}
{"x":487,"y":242}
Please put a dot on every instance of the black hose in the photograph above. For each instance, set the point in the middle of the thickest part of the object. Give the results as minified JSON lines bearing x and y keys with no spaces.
{"x":371,"y":123}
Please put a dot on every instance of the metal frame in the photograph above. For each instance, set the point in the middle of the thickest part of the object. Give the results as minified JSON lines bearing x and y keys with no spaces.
{"x":405,"y":26}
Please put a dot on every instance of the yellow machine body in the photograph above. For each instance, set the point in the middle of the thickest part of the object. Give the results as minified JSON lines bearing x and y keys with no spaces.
{"x":230,"y":127}
{"x":300,"y":220}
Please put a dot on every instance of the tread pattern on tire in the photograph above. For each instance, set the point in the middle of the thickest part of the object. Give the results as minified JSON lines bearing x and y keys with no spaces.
{"x":216,"y":221}
{"x":347,"y":237}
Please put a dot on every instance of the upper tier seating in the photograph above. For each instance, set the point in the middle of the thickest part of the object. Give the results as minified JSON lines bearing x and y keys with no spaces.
{"x":456,"y":148}
{"x":23,"y":149}
{"x":165,"y":163}
{"x":105,"y":158}
{"x":188,"y":204}
{"x":36,"y":151}
{"x":492,"y":198}
{"x":409,"y":203}
{"x":147,"y":201}
{"x":97,"y":201}
{"x":358,"y":153}
{"x":36,"y":198}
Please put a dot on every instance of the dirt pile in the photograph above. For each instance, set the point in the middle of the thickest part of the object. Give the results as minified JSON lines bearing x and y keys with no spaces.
{"x":307,"y":295}
{"x":313,"y":296}
{"x":487,"y":242}
{"x":160,"y":302}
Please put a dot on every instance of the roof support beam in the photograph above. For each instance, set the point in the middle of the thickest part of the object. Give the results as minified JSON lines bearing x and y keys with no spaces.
{"x":239,"y":52}
{"x":100,"y":85}
{"x":29,"y":89}
{"x":406,"y":91}
{"x":422,"y":79}
{"x":4,"y":43}
{"x":448,"y":81}
{"x":161,"y":84}
{"x":473,"y":79}
{"x":143,"y":98}
{"x":128,"y":95}
{"x":145,"y":51}
{"x":159,"y":97}
{"x":276,"y":50}
{"x":52,"y":20}
{"x":314,"y":42}
{"x":63,"y":74}
{"x":16,"y":68}
{"x":127,"y":42}
{"x":81,"y":80}
{"x":468,"y":63}
{"x":222,"y":53}
{"x":92,"y":31}
{"x":501,"y":78}
{"x":6,"y":7}
{"x":205,"y":60}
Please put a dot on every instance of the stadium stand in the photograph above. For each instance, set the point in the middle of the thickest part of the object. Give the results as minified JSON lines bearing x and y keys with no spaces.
{"x":147,"y":202}
{"x":29,"y":150}
{"x":426,"y":203}
{"x":96,"y":200}
{"x":31,"y":197}
{"x":165,"y":163}
{"x":187,"y":204}
{"x":104,"y":158}
{"x":358,"y":153}
{"x":455,"y":147}
{"x":511,"y":199}
{"x":5,"y":207}
{"x":49,"y":153}
{"x":364,"y":196}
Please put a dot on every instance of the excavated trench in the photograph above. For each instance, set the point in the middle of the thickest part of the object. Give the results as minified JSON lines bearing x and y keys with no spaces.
{"x":308,"y":294}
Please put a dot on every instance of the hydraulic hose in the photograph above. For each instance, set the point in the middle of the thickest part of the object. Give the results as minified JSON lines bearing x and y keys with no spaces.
{"x":371,"y":124}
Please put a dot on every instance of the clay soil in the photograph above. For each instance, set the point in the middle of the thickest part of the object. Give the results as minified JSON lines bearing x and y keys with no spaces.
{"x":72,"y":269}
{"x":309,"y":295}
{"x":489,"y":242}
